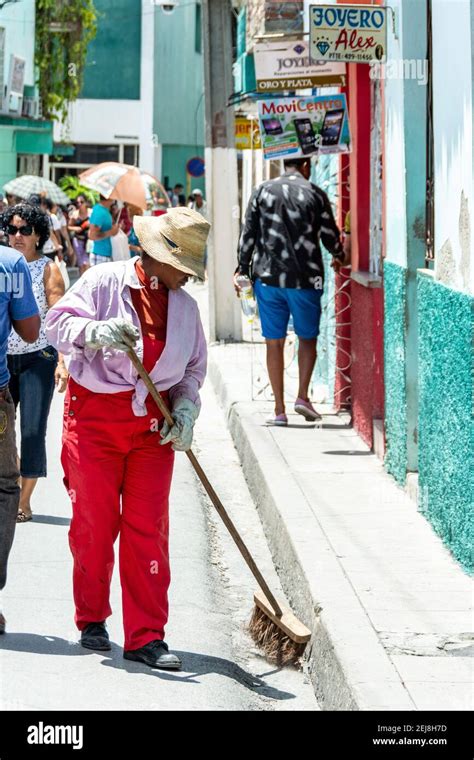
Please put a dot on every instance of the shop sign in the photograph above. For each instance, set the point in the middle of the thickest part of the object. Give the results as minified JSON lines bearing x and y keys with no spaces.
{"x":247,"y":134}
{"x":350,"y":33}
{"x":288,"y":66}
{"x":303,"y":126}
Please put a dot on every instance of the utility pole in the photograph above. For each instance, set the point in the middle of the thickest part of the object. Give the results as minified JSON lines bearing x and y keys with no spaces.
{"x":225,"y":319}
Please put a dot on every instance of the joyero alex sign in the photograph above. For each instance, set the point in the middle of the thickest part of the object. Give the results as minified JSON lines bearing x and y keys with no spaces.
{"x":350,"y":33}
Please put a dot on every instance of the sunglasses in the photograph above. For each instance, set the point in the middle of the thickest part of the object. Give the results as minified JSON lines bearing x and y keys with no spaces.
{"x":26,"y":230}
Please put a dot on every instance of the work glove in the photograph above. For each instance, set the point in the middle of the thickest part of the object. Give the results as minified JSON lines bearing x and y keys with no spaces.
{"x":184,"y":414}
{"x":115,"y":333}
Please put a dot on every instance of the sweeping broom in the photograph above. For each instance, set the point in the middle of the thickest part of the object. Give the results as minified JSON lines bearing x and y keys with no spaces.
{"x":274,"y":628}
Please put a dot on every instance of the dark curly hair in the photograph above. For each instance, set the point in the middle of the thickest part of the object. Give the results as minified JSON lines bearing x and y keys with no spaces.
{"x":33,"y":215}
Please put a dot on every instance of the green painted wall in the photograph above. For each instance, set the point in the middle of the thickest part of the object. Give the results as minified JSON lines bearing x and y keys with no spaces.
{"x":113,"y":57}
{"x":7,"y":155}
{"x":173,"y":165}
{"x":178,"y":90}
{"x":395,"y":294}
{"x":446,"y":432}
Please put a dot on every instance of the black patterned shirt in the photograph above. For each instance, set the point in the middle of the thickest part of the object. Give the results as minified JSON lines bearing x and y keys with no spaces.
{"x":280,"y":240}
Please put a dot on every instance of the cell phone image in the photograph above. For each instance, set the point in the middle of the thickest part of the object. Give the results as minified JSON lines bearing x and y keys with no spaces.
{"x":306,"y":136}
{"x":272,"y":126}
{"x":332,"y":126}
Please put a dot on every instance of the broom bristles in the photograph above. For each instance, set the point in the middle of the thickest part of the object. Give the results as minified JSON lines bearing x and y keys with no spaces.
{"x":276,"y":645}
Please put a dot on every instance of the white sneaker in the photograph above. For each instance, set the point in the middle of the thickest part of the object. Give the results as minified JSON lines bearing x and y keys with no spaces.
{"x":280,"y":420}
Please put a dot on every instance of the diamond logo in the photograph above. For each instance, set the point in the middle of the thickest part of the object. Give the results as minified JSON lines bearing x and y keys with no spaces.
{"x":299,"y":49}
{"x":323,"y":47}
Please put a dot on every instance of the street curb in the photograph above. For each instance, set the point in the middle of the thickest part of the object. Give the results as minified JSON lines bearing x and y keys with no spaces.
{"x":349,"y":668}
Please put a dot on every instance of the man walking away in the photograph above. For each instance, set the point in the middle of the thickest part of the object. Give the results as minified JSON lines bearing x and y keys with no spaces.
{"x":279,"y":249}
{"x":18,"y":308}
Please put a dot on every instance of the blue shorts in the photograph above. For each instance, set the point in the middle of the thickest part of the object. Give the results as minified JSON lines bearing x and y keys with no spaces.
{"x":276,"y":304}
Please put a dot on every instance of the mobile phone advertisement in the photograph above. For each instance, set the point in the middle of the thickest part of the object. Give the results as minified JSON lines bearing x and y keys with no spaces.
{"x":301,"y":127}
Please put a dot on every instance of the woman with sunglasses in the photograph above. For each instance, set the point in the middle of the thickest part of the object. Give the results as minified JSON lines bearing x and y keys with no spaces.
{"x":34,"y":368}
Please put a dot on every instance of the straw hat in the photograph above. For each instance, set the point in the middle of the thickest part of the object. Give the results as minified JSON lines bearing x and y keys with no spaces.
{"x":177,"y":238}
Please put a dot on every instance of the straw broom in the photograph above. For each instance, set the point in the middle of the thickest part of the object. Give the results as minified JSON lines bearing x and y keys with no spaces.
{"x":274,"y":628}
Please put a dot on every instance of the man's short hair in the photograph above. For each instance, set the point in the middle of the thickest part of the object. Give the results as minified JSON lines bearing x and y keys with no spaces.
{"x":295,"y":162}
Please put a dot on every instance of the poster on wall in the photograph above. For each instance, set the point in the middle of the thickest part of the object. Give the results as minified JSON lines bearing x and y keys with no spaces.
{"x":247,"y":134}
{"x":289,"y":66}
{"x":303,"y":126}
{"x":350,"y":33}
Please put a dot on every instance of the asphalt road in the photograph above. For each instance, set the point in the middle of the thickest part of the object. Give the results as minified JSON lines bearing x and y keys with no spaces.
{"x":43,"y":667}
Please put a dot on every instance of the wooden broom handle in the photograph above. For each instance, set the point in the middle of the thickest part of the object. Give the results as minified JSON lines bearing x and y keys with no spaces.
{"x":208,"y":487}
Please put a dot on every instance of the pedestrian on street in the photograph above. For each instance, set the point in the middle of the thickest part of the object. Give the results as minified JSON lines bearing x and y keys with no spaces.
{"x":133,"y":241}
{"x":176,"y":195}
{"x":18,"y":309}
{"x":279,"y":250}
{"x":35,"y":368}
{"x":52,"y":247}
{"x":101,"y":229}
{"x":79,"y":226}
{"x":117,"y":452}
{"x":198,"y":203}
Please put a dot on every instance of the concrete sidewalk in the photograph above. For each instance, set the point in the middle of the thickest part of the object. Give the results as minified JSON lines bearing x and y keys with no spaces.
{"x":390,"y":609}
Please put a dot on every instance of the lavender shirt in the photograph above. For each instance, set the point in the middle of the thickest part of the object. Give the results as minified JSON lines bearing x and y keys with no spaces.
{"x":104,"y":292}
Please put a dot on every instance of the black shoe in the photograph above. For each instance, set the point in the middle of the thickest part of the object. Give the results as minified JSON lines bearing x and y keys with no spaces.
{"x":156,"y":655}
{"x":3,"y":623}
{"x":95,"y":636}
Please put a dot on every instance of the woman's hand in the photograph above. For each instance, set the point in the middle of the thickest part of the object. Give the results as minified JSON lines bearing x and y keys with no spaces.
{"x":61,"y":376}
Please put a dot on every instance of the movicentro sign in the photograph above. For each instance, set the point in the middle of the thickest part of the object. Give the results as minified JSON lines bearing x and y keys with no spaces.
{"x":349,"y":33}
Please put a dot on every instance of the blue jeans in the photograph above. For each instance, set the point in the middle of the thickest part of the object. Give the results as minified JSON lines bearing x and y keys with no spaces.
{"x":32,"y":386}
{"x":9,"y":489}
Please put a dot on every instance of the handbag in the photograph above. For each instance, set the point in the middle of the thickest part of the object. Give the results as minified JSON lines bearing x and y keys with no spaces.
{"x":120,"y":247}
{"x":61,"y":265}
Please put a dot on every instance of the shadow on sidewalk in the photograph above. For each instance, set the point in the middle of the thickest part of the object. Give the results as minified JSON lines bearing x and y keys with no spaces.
{"x":51,"y":520}
{"x":194,"y":664}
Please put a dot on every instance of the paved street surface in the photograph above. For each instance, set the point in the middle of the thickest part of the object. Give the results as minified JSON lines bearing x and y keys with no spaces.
{"x":43,"y":667}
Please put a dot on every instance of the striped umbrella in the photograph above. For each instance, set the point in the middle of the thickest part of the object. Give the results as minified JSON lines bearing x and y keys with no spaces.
{"x":28,"y":185}
{"x":123,"y":183}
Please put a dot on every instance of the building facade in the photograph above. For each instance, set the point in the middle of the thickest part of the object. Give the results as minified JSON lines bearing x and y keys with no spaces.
{"x":428,"y":270}
{"x":25,"y":138}
{"x":148,"y":111}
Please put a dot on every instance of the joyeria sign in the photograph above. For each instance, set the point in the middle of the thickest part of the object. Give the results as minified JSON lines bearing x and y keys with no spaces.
{"x":349,"y":33}
{"x":289,"y":66}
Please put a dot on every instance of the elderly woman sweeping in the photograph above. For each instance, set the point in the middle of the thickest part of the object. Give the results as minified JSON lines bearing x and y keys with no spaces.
{"x":117,"y":452}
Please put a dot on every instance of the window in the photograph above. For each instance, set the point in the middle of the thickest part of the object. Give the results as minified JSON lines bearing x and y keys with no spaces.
{"x":93,"y":154}
{"x":198,"y":30}
{"x":29,"y":163}
{"x":130,"y":155}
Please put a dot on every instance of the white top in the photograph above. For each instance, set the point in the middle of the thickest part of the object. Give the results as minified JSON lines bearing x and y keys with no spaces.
{"x":15,"y":344}
{"x":55,"y":226}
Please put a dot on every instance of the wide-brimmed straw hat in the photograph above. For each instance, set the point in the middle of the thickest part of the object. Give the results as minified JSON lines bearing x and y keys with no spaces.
{"x":177,"y":238}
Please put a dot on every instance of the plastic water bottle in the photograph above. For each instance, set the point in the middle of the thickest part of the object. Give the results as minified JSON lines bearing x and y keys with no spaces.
{"x":247,"y":298}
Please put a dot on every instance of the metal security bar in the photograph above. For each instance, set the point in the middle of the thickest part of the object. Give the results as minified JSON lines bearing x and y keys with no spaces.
{"x":430,"y":189}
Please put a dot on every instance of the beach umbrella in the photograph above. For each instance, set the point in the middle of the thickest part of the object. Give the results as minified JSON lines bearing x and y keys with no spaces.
{"x":123,"y":183}
{"x":28,"y":184}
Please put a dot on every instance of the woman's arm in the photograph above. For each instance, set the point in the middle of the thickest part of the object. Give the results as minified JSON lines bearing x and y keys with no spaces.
{"x":53,"y":284}
{"x":55,"y":289}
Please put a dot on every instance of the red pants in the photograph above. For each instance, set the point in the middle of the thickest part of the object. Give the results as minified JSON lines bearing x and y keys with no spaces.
{"x":118,"y":477}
